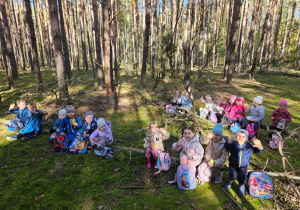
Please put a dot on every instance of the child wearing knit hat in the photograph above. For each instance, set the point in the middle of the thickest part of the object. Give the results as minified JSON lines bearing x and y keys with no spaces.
{"x":90,"y":124}
{"x":280,"y":117}
{"x":215,"y":154}
{"x":61,"y":115}
{"x":240,"y":155}
{"x":102,"y":135}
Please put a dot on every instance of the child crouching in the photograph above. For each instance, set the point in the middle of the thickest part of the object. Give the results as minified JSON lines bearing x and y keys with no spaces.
{"x":102,"y":135}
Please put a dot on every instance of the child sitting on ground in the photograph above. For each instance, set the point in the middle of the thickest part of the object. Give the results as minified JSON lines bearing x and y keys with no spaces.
{"x":23,"y":114}
{"x":228,"y":105}
{"x":257,"y":114}
{"x":237,"y":113}
{"x":280,"y":117}
{"x":217,"y":110}
{"x":170,"y":108}
{"x":240,"y":155}
{"x":187,"y":99}
{"x":61,"y":115}
{"x":102,"y":135}
{"x":215,"y":154}
{"x":192,"y":151}
{"x":90,"y":124}
{"x":204,"y":112}
{"x":71,"y":124}
{"x":153,"y":143}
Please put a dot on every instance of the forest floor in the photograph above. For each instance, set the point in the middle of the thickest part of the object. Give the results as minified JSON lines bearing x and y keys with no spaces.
{"x":33,"y":177}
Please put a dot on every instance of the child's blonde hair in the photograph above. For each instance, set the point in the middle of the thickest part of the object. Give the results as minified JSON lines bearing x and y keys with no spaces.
{"x":220,"y":96}
{"x":152,"y":123}
{"x":208,"y":97}
{"x":19,"y":101}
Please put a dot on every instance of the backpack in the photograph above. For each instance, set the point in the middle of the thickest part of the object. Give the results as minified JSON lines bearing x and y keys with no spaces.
{"x":260,"y":185}
{"x":235,"y":127}
{"x":185,"y":178}
{"x":275,"y":142}
{"x":52,"y":137}
{"x":61,"y":143}
{"x":202,"y":114}
{"x":79,"y":145}
{"x":31,"y":129}
{"x":251,"y":131}
{"x":163,"y":162}
{"x":201,"y":177}
{"x":213,"y":117}
{"x":105,"y":152}
{"x":11,"y":129}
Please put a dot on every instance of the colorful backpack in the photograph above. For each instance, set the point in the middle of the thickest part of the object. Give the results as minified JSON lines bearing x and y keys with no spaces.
{"x":105,"y":152}
{"x":201,"y":177}
{"x":52,"y":137}
{"x":275,"y":142}
{"x":61,"y":143}
{"x":202,"y":114}
{"x":235,"y":127}
{"x":163,"y":162}
{"x":260,"y":185}
{"x":79,"y":145}
{"x":251,"y":131}
{"x":185,"y":178}
{"x":11,"y":129}
{"x":31,"y":129}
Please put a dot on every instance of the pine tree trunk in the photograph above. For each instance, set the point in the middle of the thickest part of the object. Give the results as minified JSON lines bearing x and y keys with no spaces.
{"x":163,"y":31}
{"x":97,"y":46}
{"x":82,"y":28}
{"x":201,"y":36}
{"x":227,"y":46}
{"x":137,"y":28}
{"x":9,"y":45}
{"x":277,"y":32}
{"x":35,"y":4}
{"x":233,"y":38}
{"x":114,"y":30}
{"x":153,"y":35}
{"x":186,"y":45}
{"x":146,"y":42}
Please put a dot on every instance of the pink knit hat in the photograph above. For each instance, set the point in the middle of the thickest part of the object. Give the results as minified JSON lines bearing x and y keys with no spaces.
{"x":282,"y":102}
{"x":232,"y":97}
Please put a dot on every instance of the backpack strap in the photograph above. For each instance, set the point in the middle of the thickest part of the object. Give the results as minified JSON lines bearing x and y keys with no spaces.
{"x":159,"y":172}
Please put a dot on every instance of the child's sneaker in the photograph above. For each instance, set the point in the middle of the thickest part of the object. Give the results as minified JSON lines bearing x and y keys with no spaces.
{"x":227,"y":186}
{"x":242,"y":190}
{"x":155,"y":166}
{"x":11,"y":138}
{"x":25,"y":138}
{"x":219,"y":178}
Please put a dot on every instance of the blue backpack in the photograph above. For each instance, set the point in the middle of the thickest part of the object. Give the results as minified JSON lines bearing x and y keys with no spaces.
{"x":185,"y":178}
{"x":260,"y":185}
{"x":79,"y":145}
{"x":61,"y":143}
{"x":31,"y":129}
{"x":11,"y":129}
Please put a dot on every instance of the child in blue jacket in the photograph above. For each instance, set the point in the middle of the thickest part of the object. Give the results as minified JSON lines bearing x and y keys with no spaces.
{"x":240,"y":155}
{"x":90,"y":124}
{"x":71,"y":123}
{"x":61,"y":115}
{"x":23,"y":114}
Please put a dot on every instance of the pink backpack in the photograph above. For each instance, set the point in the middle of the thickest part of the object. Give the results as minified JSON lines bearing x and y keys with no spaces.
{"x":251,"y":131}
{"x":185,"y":178}
{"x":275,"y":142}
{"x":163,"y":162}
{"x":201,"y":177}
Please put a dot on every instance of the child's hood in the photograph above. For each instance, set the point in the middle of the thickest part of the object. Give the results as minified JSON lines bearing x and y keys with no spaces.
{"x":195,"y":139}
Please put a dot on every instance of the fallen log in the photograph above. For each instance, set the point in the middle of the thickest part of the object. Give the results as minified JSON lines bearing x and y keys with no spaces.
{"x":287,"y":174}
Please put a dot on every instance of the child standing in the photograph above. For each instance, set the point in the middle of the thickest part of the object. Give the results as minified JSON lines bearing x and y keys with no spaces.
{"x":90,"y":124}
{"x":153,"y":143}
{"x":237,"y":113}
{"x":102,"y":135}
{"x":240,"y":155}
{"x":280,"y":117}
{"x":23,"y":114}
{"x":71,"y":123}
{"x":215,"y":153}
{"x":208,"y":106}
{"x":175,"y":102}
{"x":192,"y":151}
{"x":61,"y":115}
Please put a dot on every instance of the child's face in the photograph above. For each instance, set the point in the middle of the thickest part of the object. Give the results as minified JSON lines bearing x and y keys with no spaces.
{"x":217,"y":100}
{"x":153,"y":128}
{"x":61,"y":117}
{"x":177,"y":94}
{"x":102,"y":128}
{"x":32,"y":108}
{"x":241,"y":137}
{"x":217,"y":138}
{"x":282,"y":107}
{"x":188,"y":134}
{"x":89,"y":118}
{"x":231,"y":100}
{"x":208,"y":100}
{"x":255,"y":104}
{"x":238,"y":102}
{"x":22,"y":105}
{"x":71,"y":114}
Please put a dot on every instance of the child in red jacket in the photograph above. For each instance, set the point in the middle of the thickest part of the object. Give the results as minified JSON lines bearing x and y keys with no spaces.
{"x":280,"y":117}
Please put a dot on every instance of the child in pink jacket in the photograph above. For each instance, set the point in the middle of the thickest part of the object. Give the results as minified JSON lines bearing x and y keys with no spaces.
{"x":237,"y":113}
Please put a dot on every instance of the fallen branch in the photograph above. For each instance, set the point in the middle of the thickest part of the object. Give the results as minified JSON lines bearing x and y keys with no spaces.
{"x":276,"y":174}
{"x":238,"y":205}
{"x":143,"y":187}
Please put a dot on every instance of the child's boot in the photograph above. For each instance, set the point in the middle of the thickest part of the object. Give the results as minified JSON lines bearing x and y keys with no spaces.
{"x":148,"y":163}
{"x":242,"y":190}
{"x":228,"y":185}
{"x":155,"y":166}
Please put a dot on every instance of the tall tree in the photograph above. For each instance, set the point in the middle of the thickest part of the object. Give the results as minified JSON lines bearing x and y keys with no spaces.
{"x":35,"y":4}
{"x":186,"y":44}
{"x":57,"y":48}
{"x":153,"y":35}
{"x":146,"y":42}
{"x":9,"y":44}
{"x":82,"y":28}
{"x":277,"y":32}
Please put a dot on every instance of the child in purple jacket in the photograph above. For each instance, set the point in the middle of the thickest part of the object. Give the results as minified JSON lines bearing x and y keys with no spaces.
{"x":102,"y":135}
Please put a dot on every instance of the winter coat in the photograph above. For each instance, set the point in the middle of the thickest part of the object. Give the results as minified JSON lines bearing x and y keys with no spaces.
{"x":186,"y":102}
{"x":157,"y":138}
{"x":89,"y":128}
{"x":217,"y":108}
{"x":66,"y":124}
{"x":240,"y":155}
{"x":57,"y":124}
{"x":193,"y":146}
{"x":38,"y":116}
{"x":102,"y":135}
{"x":227,"y":107}
{"x":237,"y":111}
{"x":208,"y":106}
{"x":215,"y":151}
{"x":257,"y":113}
{"x":23,"y":114}
{"x":279,"y":115}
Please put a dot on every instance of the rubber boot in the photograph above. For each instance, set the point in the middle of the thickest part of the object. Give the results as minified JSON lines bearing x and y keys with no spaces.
{"x":148,"y":163}
{"x":155,"y":166}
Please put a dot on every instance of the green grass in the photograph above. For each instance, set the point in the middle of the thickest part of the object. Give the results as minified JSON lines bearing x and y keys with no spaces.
{"x":33,"y":177}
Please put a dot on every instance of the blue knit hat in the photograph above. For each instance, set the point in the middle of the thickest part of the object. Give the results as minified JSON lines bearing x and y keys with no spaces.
{"x":70,"y":108}
{"x":218,"y":129}
{"x":88,"y":113}
{"x":245,"y":132}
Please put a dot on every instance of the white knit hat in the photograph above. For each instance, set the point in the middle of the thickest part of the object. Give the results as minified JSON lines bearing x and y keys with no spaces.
{"x":62,"y":112}
{"x":101,"y":122}
{"x":258,"y":99}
